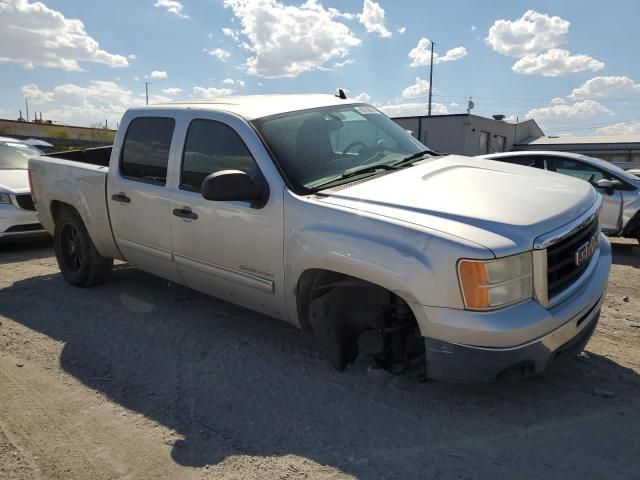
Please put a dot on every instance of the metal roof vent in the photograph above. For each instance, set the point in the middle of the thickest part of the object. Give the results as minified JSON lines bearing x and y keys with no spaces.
{"x":498,"y":116}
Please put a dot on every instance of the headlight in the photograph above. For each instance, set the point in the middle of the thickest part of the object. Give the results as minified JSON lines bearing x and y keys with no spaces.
{"x":490,"y":284}
{"x":5,"y":198}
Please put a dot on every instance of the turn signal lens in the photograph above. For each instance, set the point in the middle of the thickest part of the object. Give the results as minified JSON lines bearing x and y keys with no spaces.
{"x":491,"y":284}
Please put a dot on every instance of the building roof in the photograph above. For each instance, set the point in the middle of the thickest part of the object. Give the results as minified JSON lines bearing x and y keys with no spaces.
{"x":619,"y":141}
{"x":251,"y":107}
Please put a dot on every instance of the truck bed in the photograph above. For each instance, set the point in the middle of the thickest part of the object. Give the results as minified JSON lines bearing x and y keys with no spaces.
{"x":93,"y":156}
{"x":77,"y":183}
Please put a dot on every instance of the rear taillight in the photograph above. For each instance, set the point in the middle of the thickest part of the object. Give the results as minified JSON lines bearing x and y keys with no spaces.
{"x":33,"y":193}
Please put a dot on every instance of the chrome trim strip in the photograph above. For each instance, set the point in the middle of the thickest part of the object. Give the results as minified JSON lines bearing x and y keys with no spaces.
{"x":540,"y":277}
{"x":225,"y":273}
{"x":555,"y":236}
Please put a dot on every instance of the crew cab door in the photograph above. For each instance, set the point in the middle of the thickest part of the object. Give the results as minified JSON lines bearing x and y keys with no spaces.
{"x":138,"y":197}
{"x":230,"y":249}
{"x":610,"y":215}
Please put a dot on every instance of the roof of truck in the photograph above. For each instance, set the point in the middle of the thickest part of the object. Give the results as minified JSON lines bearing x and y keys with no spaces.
{"x":251,"y":107}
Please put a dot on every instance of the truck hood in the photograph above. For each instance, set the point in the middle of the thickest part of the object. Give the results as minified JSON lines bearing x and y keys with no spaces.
{"x":14,"y":181}
{"x":500,"y":206}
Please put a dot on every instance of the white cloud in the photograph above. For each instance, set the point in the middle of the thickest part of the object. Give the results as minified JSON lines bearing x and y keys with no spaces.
{"x":421,"y":54}
{"x":418,"y":89}
{"x":171,"y":91}
{"x":210,"y":92}
{"x":231,"y":81}
{"x":604,"y":87}
{"x":412,"y":109}
{"x":473,"y":28}
{"x":622,"y":128}
{"x":86,"y":104}
{"x":286,"y":40}
{"x":454,"y":104}
{"x":363,"y":97}
{"x":558,"y":101}
{"x":556,"y":63}
{"x":532,"y":33}
{"x":583,"y":109}
{"x":372,"y":17}
{"x":401,"y":30}
{"x":219,"y":53}
{"x":172,"y":6}
{"x":34,"y":35}
{"x":158,"y":74}
{"x":229,"y":32}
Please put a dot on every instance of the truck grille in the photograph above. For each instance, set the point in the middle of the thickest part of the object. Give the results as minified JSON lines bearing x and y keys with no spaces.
{"x":25,"y":201}
{"x":562,"y":270}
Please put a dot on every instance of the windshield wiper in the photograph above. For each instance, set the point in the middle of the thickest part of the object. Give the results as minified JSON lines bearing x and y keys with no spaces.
{"x":416,"y":156}
{"x":354,"y":172}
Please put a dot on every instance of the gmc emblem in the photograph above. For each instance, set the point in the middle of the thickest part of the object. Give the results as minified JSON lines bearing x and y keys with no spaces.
{"x":586,"y":250}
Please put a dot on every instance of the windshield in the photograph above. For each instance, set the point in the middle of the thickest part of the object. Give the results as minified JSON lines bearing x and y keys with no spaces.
{"x":15,"y":155}
{"x":315,"y":146}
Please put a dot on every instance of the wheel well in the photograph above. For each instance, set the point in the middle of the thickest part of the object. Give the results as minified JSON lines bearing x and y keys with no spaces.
{"x":57,"y":207}
{"x":314,"y":283}
{"x":350,"y":316}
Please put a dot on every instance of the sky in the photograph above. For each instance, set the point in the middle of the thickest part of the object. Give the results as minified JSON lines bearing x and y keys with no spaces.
{"x":572,"y":65}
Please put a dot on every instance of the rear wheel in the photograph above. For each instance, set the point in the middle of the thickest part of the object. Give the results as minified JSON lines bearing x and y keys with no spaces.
{"x":79,"y":261}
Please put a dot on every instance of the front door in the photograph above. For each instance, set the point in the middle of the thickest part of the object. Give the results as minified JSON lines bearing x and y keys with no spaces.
{"x":228,"y":249}
{"x":139,"y":199}
{"x":610,"y":215}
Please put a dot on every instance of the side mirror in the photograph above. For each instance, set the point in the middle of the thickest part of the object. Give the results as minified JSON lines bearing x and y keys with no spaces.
{"x":234,"y":185}
{"x":607,"y":185}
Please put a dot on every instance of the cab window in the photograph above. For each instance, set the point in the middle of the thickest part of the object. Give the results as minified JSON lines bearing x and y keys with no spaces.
{"x":145,"y":153}
{"x":211,"y":147}
{"x":579,"y":170}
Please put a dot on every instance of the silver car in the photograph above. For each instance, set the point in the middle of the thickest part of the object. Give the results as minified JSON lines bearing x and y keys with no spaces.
{"x":18,"y":218}
{"x":620,"y":190}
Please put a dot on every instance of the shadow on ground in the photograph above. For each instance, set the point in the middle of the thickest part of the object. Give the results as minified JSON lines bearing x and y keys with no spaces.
{"x":626,"y":254}
{"x":25,"y":250}
{"x":233,"y":382}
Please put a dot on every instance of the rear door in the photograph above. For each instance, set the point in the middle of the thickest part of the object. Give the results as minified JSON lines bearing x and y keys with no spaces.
{"x":610,"y":215}
{"x":138,"y":197}
{"x":229,"y":249}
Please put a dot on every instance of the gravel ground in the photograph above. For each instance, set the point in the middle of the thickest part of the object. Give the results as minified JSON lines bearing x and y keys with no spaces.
{"x":140,"y":379}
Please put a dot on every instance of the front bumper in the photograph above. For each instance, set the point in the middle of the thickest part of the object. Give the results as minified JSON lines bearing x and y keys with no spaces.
{"x":515,"y":342}
{"x":18,"y":223}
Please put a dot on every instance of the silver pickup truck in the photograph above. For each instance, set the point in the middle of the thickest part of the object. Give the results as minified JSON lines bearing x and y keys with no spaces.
{"x":322,"y":212}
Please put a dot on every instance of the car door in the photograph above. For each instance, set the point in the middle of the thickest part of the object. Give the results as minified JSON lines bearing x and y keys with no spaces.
{"x":138,"y":196}
{"x":611,"y":197}
{"x":230,"y":249}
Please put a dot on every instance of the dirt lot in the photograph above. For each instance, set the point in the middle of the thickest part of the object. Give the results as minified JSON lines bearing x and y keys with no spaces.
{"x":140,"y":379}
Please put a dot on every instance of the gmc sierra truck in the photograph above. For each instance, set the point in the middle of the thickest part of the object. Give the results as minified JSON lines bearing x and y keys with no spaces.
{"x":324,"y":213}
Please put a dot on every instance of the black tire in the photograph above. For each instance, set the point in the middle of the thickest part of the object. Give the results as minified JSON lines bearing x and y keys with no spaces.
{"x":79,"y":261}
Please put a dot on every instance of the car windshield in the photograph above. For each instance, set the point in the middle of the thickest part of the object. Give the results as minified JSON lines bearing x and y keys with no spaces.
{"x":331,"y":145}
{"x":15,"y":155}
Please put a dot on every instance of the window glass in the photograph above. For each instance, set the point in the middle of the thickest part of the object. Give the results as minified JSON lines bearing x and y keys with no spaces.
{"x":145,"y":153}
{"x":484,"y":142}
{"x":211,"y":147}
{"x":317,"y":145}
{"x":579,"y":170}
{"x":525,"y":161}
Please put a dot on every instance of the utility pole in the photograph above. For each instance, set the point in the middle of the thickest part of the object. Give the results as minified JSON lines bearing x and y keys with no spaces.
{"x":430,"y":79}
{"x":146,"y":91}
{"x":26,"y":104}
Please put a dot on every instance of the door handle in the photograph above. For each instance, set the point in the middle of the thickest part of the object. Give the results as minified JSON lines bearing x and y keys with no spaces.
{"x":120,"y":197}
{"x":185,"y":213}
